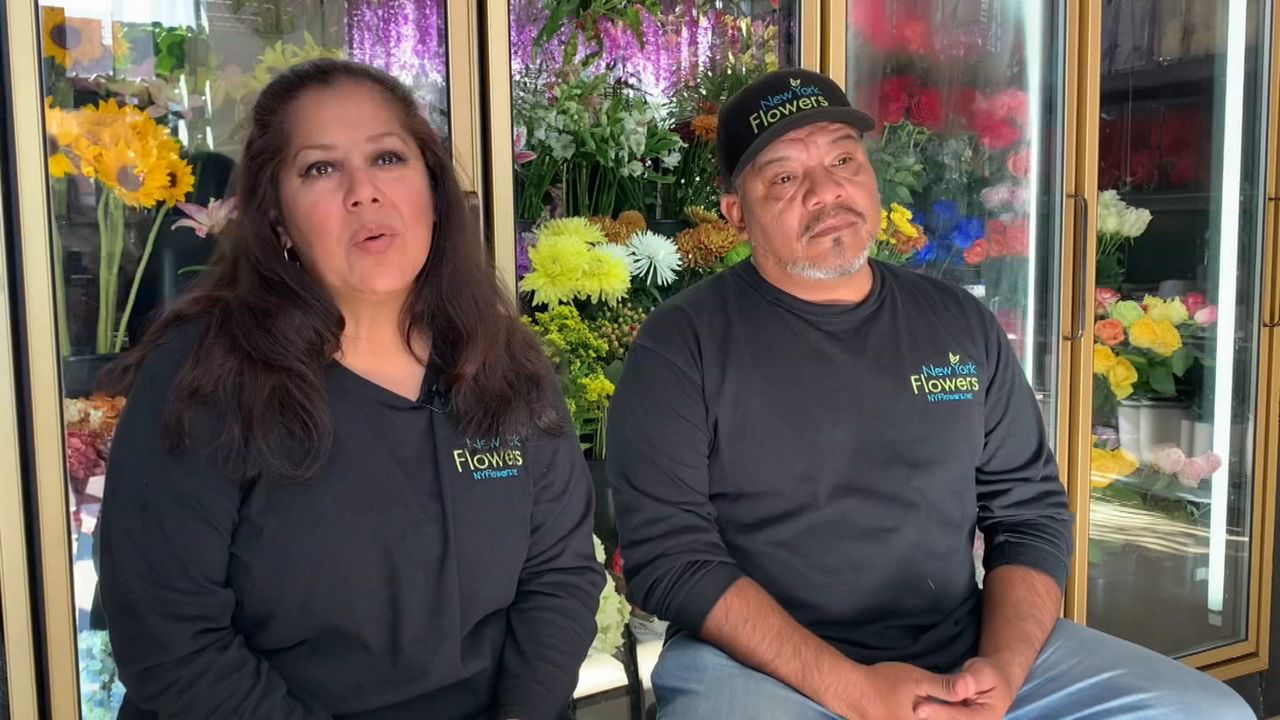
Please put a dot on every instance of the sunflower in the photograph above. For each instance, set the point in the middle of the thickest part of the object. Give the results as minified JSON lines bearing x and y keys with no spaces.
{"x":181,"y":180}
{"x":120,"y":48}
{"x":84,"y":41}
{"x":140,"y":183}
{"x":60,"y":165}
{"x":53,"y":23}
{"x":61,"y":125}
{"x":70,"y":41}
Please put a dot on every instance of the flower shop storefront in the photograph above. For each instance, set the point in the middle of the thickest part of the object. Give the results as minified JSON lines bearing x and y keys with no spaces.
{"x":1104,"y":176}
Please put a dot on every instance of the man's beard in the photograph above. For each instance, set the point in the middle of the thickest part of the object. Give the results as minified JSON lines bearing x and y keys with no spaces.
{"x":843,"y":264}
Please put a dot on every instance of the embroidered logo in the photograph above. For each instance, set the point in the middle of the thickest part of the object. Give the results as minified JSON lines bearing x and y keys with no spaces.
{"x":490,"y":459}
{"x":776,"y":107}
{"x":953,"y":382}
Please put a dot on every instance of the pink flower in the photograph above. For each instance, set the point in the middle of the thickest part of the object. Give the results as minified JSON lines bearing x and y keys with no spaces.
{"x":1103,"y":299}
{"x":1194,"y":301}
{"x":1169,"y":459}
{"x":207,"y":220}
{"x":1212,"y":463}
{"x":1207,"y":315}
{"x":1019,"y":163}
{"x":521,"y":155}
{"x":1192,"y":472}
{"x":995,"y":197}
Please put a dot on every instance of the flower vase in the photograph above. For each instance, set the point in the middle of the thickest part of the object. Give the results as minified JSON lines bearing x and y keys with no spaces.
{"x":1160,"y":424}
{"x":1129,"y":424}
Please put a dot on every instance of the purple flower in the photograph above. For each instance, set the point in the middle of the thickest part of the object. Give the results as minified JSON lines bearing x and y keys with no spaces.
{"x":523,"y":243}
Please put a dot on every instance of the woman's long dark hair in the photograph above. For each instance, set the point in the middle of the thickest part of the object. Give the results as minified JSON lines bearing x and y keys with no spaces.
{"x":269,"y":330}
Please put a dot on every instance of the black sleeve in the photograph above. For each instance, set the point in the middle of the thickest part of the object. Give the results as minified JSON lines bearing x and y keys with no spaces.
{"x":675,"y":561}
{"x":1022,"y":505}
{"x":552,"y":621}
{"x":167,"y":524}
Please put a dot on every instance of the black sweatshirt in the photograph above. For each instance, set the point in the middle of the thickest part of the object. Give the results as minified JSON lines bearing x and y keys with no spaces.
{"x":419,"y":574}
{"x":838,"y":455}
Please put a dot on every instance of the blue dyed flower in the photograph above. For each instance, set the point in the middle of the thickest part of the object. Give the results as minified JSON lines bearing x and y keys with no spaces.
{"x":942,"y":216}
{"x":967,"y":231}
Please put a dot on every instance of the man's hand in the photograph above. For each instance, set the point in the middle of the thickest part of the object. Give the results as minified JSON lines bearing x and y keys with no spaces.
{"x":991,"y":698}
{"x":896,"y":691}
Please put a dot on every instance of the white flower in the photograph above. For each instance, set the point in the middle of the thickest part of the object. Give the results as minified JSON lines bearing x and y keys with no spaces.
{"x":657,"y":258}
{"x":612,"y":613}
{"x":633,"y":169}
{"x":671,"y":159}
{"x":1118,"y":218}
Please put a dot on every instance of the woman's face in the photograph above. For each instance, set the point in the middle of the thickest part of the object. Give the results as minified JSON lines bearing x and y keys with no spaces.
{"x":355,"y":193}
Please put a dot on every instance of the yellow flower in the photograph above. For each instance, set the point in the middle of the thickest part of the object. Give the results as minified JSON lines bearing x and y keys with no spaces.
{"x":901,"y":218}
{"x":120,"y":47}
{"x":181,"y":180}
{"x":1121,"y":376}
{"x":1107,"y":466}
{"x":59,"y":123}
{"x":1103,"y":359}
{"x":705,"y":245}
{"x":558,"y":263}
{"x":60,"y":165}
{"x":53,"y":23}
{"x":884,"y":223}
{"x":1159,"y":336}
{"x":70,"y":41}
{"x":577,"y":228}
{"x":606,"y":277}
{"x":1173,"y":311}
{"x":597,"y":389}
{"x":139,"y":183}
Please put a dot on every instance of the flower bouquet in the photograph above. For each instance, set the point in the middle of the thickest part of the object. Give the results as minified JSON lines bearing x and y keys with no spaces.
{"x":590,"y":283}
{"x":1119,"y":224}
{"x":137,"y":164}
{"x":1142,"y":348}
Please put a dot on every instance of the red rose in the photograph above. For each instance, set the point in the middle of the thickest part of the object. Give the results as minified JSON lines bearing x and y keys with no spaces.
{"x":999,"y":135}
{"x":914,"y":35}
{"x":872,"y":23}
{"x":895,"y":97}
{"x":926,"y":110}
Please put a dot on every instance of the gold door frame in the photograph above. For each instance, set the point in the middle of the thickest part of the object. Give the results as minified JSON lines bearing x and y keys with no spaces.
{"x":15,"y":599}
{"x":1083,"y":37}
{"x":52,"y":579}
{"x":497,"y":108}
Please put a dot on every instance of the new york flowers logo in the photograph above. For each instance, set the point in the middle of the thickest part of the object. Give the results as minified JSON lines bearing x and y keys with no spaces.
{"x":776,"y":107}
{"x":952,"y":382}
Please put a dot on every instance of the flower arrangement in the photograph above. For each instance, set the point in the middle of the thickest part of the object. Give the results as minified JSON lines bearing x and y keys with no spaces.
{"x":899,"y":238}
{"x":601,"y":147}
{"x":591,"y":283}
{"x":1140,"y":348}
{"x":1119,"y":224}
{"x":137,"y":164}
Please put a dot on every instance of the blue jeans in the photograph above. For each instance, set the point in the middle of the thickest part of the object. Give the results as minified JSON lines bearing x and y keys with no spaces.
{"x":1081,"y":674}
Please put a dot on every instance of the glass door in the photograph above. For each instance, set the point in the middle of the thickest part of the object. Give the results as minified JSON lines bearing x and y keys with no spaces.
{"x":144,"y":109}
{"x":970,"y":98}
{"x":1174,"y":510}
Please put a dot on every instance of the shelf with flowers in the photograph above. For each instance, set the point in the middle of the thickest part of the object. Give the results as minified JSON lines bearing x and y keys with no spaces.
{"x":614,"y":106}
{"x":589,"y":284}
{"x":1145,"y":435}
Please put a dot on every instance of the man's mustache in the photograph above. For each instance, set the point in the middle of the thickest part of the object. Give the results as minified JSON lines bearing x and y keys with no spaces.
{"x":832,"y":213}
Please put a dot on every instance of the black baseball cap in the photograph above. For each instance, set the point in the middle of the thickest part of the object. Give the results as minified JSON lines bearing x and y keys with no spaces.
{"x":772,"y":106}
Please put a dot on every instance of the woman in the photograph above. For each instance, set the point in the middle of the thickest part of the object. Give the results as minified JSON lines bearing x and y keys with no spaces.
{"x":344,"y":484}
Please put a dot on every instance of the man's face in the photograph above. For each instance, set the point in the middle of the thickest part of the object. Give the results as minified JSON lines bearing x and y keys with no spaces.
{"x":809,"y":203}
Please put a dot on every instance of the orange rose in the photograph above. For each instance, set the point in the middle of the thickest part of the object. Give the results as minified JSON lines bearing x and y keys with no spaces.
{"x":1109,"y":332}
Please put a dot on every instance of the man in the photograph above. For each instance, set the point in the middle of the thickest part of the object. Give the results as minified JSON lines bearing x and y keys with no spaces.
{"x":798,"y":496}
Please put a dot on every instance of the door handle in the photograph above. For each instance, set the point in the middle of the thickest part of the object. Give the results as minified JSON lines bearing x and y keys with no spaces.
{"x":1080,"y":303}
{"x":1273,"y":234}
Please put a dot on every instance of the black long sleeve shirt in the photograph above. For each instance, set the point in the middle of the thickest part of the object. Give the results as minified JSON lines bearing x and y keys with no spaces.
{"x":419,"y":574}
{"x":839,"y":455}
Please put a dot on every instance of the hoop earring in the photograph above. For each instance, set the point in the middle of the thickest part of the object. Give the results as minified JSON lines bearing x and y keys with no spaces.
{"x":291,"y":258}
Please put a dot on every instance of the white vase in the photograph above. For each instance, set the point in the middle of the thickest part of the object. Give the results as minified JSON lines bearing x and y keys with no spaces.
{"x":1129,"y":422}
{"x":1161,"y":424}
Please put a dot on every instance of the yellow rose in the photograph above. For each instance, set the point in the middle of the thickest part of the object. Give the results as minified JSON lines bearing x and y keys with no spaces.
{"x":1172,"y":311}
{"x":1107,"y":466}
{"x":1158,"y":336}
{"x":1103,"y":359}
{"x":1121,"y":376}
